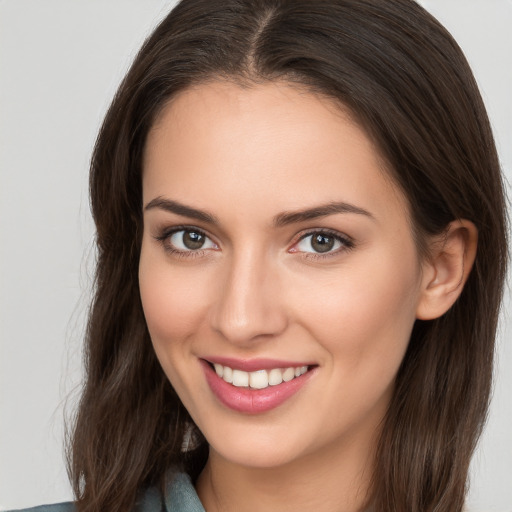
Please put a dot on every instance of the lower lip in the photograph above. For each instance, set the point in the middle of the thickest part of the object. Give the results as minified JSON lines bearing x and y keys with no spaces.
{"x":253,"y":401}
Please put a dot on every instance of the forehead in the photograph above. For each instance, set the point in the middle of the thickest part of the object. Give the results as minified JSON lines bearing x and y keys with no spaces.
{"x":271,"y":142}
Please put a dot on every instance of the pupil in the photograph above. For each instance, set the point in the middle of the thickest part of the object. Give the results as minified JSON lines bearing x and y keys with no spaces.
{"x":193,"y":240}
{"x":322,"y":243}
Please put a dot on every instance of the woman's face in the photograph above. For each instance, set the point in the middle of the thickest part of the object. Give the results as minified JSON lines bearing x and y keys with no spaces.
{"x":275,"y":244}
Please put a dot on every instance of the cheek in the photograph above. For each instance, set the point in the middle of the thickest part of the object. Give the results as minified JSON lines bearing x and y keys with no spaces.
{"x":363,"y":314}
{"x":174,"y":301}
{"x":174,"y":307}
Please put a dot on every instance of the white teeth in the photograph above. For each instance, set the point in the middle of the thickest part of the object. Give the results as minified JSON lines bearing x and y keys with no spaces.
{"x":288,"y":374}
{"x":275,"y":377}
{"x":219,"y":369}
{"x":227,"y":374}
{"x":259,"y":379}
{"x":240,"y":378}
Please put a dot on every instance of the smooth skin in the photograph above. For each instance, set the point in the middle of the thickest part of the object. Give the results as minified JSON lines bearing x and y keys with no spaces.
{"x":225,"y":271}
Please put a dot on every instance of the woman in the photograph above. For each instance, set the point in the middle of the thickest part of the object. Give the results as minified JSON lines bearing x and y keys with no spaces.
{"x":291,"y":308}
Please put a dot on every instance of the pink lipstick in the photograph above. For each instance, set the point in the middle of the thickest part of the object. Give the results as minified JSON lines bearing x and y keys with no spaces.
{"x":255,"y":386}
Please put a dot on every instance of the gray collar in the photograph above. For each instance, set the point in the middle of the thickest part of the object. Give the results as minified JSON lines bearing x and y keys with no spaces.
{"x":180,"y":495}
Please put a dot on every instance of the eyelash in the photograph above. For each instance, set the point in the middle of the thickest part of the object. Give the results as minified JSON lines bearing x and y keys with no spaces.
{"x":346,"y":242}
{"x":166,"y":234}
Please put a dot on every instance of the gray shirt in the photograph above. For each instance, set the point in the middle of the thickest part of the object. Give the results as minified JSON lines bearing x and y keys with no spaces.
{"x":180,"y":496}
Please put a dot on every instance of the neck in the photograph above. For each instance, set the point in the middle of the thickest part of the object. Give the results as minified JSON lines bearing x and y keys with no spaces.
{"x":338,"y":478}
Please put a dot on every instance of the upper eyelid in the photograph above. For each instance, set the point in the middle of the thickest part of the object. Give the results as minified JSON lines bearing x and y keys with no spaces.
{"x":166,"y":232}
{"x":332,"y":232}
{"x":324,"y":230}
{"x":163,"y":235}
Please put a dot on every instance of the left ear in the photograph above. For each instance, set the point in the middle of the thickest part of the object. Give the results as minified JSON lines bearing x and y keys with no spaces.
{"x":445,"y":272}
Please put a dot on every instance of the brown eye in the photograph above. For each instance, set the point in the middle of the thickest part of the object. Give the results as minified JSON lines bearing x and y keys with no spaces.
{"x":322,"y":242}
{"x":193,"y":240}
{"x":186,"y":240}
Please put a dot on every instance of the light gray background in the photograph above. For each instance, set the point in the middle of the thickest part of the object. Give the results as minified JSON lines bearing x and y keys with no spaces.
{"x":60,"y":63}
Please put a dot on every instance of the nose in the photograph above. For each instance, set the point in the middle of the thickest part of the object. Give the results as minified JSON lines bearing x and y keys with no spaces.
{"x":248,"y":305}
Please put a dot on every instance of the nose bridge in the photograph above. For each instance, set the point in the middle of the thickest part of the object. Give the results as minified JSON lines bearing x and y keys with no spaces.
{"x":248,"y":305}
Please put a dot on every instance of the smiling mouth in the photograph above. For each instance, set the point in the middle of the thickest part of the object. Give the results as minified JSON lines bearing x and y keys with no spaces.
{"x":259,"y":379}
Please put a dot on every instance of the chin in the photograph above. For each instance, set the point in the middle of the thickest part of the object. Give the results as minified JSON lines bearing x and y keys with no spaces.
{"x":256,"y":456}
{"x":264,"y":445}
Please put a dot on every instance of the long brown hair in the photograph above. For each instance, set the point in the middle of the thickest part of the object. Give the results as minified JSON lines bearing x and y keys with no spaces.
{"x":408,"y":84}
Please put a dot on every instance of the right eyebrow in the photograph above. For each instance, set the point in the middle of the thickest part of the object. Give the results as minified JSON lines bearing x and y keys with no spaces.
{"x":181,"y":209}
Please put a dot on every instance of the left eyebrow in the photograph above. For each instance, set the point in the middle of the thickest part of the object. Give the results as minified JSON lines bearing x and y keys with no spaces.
{"x":286,"y":218}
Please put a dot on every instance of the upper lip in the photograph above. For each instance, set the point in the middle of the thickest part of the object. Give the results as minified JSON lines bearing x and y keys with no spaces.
{"x":251,"y":365}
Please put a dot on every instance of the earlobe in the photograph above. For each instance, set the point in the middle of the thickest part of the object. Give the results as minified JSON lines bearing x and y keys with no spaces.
{"x":446,"y":271}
